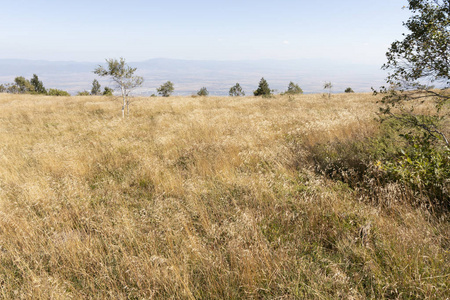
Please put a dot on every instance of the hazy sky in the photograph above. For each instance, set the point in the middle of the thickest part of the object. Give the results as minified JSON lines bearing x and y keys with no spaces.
{"x":357,"y":31}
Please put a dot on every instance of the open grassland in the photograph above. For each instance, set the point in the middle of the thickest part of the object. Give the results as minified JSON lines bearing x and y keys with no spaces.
{"x":201,"y":198}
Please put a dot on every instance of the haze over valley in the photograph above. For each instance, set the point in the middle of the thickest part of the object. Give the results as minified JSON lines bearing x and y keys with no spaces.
{"x":217,"y":76}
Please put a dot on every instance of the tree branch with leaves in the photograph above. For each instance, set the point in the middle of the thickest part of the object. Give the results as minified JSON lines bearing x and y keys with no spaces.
{"x":123,"y":77}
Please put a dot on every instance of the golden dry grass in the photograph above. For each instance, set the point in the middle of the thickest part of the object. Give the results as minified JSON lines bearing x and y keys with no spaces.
{"x":199,"y":198}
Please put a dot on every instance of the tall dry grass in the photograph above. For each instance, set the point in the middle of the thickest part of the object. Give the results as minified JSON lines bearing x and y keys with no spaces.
{"x":200,"y":198}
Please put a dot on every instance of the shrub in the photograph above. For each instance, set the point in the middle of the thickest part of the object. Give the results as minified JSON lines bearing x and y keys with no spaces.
{"x":203,"y":92}
{"x":23,"y":85}
{"x":349,"y":90}
{"x":236,"y":91}
{"x":56,"y":92}
{"x":83,"y":93}
{"x":293,"y":89}
{"x":108,"y":91}
{"x":166,"y":89}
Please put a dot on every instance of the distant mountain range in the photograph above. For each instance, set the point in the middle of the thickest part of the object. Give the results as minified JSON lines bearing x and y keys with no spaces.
{"x":189,"y":76}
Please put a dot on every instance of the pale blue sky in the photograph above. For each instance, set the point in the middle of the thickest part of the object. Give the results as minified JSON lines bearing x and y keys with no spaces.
{"x":354,"y":31}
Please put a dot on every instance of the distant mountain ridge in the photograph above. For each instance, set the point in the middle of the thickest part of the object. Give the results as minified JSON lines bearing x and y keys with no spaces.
{"x":189,"y":76}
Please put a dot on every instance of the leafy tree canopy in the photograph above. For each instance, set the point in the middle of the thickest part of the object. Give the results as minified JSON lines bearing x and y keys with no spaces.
{"x":236,"y":91}
{"x":166,"y":89}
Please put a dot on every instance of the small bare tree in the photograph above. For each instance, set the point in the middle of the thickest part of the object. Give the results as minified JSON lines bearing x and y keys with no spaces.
{"x":123,"y":76}
{"x":328,"y":85}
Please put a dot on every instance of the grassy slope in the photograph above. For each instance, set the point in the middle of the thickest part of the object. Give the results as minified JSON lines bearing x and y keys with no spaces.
{"x":199,"y":198}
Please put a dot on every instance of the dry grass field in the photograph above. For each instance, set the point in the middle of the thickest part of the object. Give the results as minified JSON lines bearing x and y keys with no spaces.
{"x":201,"y":198}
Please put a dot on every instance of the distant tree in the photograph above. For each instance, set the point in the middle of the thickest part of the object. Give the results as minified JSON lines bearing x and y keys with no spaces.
{"x":349,"y":90}
{"x":165,"y":89}
{"x":12,"y":88}
{"x":123,"y":76}
{"x":236,"y":91}
{"x":153,"y":95}
{"x":2,"y":88}
{"x":23,"y":85}
{"x":203,"y":92}
{"x":293,"y":89}
{"x":83,"y":93}
{"x":96,"y":88}
{"x":263,"y":89}
{"x":107,"y":91}
{"x":56,"y":92}
{"x":328,"y":86}
{"x":38,"y":85}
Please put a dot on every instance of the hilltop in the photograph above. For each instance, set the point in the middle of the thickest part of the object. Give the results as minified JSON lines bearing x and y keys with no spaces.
{"x":204,"y":198}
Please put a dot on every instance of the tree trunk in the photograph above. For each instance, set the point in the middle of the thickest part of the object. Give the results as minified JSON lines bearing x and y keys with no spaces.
{"x":124,"y":102}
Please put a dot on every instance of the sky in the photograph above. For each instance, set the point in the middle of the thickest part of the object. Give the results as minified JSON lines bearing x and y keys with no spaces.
{"x":351,"y":31}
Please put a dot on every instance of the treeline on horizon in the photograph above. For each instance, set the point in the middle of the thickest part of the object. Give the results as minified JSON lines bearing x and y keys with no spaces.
{"x":34,"y":86}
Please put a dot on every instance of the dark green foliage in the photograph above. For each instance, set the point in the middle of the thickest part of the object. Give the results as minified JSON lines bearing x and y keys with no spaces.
{"x":23,"y":85}
{"x":236,"y":91}
{"x":96,"y":88}
{"x":349,"y":90}
{"x":83,"y":93}
{"x":56,"y":92}
{"x":2,"y":88}
{"x":293,"y":89}
{"x":38,"y":85}
{"x":203,"y":92}
{"x":263,"y":89}
{"x":108,"y":91}
{"x":166,"y":89}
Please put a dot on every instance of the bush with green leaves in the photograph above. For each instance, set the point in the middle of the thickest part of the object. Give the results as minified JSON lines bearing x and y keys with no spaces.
{"x":108,"y":91}
{"x":23,"y":85}
{"x":263,"y":89}
{"x":293,"y":89}
{"x":236,"y":91}
{"x":83,"y":93}
{"x":349,"y":90}
{"x":56,"y":92}
{"x":203,"y":92}
{"x":166,"y":89}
